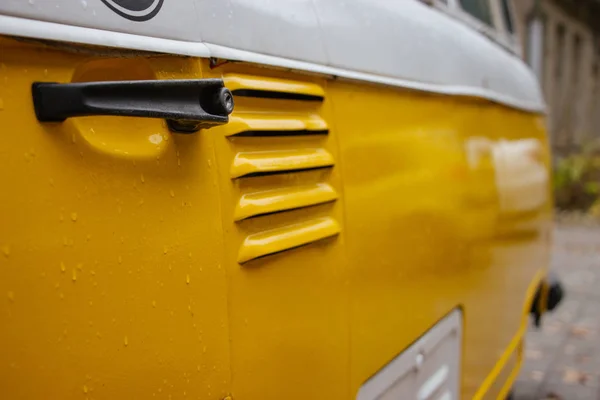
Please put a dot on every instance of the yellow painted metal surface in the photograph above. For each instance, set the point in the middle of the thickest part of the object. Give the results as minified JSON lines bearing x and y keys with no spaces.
{"x":236,"y":82}
{"x":269,"y":123}
{"x":498,"y":383}
{"x":270,"y":201}
{"x":256,"y":162}
{"x":288,"y":254}
{"x":421,"y":239}
{"x":289,"y":322}
{"x":286,"y":238}
{"x":112,"y":276}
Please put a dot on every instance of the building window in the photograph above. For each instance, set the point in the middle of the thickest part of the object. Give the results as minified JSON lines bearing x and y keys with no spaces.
{"x":480,"y":9}
{"x":559,"y":112}
{"x":508,"y":21}
{"x":535,"y":45}
{"x":576,"y":61}
{"x":560,"y":52}
{"x":573,"y":92}
{"x":595,"y":100}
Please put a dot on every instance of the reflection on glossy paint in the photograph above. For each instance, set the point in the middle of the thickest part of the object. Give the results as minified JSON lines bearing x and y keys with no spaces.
{"x":520,"y":174}
{"x":144,"y":138}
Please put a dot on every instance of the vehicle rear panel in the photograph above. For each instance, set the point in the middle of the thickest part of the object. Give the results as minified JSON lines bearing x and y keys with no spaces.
{"x":427,"y":229}
{"x":290,"y":253}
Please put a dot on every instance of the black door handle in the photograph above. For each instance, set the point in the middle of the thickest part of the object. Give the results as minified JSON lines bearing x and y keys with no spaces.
{"x":187,"y":105}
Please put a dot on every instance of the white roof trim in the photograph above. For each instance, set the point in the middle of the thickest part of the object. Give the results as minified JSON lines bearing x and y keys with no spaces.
{"x":28,"y":28}
{"x":455,"y":90}
{"x":59,"y":32}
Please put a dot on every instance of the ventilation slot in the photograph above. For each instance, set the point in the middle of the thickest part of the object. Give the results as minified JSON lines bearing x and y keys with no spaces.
{"x":261,"y":126}
{"x":277,"y":200}
{"x":262,"y":163}
{"x":265,"y":94}
{"x":277,"y":131}
{"x":287,"y":238}
{"x":271,"y":88}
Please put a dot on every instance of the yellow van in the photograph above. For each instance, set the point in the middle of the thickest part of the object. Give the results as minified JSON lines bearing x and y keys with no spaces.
{"x":299,"y":199}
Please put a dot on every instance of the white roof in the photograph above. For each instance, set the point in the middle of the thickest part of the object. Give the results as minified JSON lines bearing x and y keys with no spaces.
{"x":397,"y":42}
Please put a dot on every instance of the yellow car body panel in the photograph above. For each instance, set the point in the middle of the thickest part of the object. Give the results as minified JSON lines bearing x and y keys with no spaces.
{"x":292,"y":252}
{"x":112,"y":244}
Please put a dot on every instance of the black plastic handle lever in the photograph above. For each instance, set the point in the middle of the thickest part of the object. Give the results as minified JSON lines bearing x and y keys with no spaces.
{"x":187,"y":105}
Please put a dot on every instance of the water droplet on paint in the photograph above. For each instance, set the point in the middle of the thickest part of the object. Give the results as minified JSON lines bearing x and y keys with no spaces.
{"x":6,"y":250}
{"x":156,"y":138}
{"x":419,"y":360}
{"x":73,"y":216}
{"x":63,"y":267}
{"x":126,"y":341}
{"x":187,"y":279}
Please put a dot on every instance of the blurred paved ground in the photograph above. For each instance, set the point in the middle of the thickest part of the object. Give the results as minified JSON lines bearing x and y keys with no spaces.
{"x":562,"y":360}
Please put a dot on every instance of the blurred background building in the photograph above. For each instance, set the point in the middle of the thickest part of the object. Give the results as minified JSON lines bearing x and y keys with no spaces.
{"x":560,"y":40}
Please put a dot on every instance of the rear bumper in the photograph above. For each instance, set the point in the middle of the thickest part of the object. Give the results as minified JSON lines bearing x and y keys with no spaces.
{"x":545,"y":294}
{"x":548,"y":296}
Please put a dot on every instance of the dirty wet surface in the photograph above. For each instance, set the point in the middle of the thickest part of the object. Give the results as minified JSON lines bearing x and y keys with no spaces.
{"x":562,"y":358}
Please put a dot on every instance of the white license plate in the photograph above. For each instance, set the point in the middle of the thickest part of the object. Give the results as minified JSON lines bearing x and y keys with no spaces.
{"x":428,"y":370}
